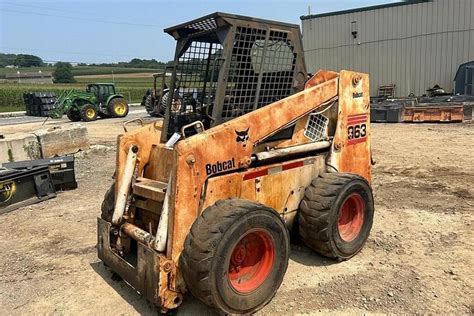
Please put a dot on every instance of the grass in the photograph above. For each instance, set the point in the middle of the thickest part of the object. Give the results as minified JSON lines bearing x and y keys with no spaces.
{"x":132,"y":87}
{"x":10,"y":109}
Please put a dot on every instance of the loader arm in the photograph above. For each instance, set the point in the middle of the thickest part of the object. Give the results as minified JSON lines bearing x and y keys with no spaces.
{"x":61,"y":105}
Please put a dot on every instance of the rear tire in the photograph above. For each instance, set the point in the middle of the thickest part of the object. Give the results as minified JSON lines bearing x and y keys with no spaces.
{"x":118,"y":107}
{"x":88,"y":113}
{"x":235,"y":256}
{"x":336,"y":215}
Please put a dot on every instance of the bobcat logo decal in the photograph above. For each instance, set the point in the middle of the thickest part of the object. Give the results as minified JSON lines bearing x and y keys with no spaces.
{"x":242,"y":136}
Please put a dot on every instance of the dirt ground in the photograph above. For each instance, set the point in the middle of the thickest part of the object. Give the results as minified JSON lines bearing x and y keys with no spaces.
{"x":418,"y":259}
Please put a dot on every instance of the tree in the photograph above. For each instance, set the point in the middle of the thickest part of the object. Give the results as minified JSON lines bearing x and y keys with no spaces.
{"x":7,"y":59}
{"x":23,"y":60}
{"x":63,"y":73}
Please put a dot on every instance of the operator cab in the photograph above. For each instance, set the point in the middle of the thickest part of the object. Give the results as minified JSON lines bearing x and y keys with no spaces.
{"x":101,"y":90}
{"x":226,"y":66}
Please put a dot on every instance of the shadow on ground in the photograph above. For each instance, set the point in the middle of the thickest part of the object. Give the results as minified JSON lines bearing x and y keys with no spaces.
{"x":305,"y":256}
{"x":190,"y":305}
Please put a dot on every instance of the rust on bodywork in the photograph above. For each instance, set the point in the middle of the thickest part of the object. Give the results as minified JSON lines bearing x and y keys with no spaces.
{"x":351,"y":145}
{"x":249,"y":125}
{"x":217,"y":163}
{"x":219,"y":145}
{"x":145,"y":138}
{"x":419,"y":114}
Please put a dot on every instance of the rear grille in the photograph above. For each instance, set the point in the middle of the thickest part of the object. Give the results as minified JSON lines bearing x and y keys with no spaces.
{"x":260,"y":72}
{"x":316,"y":128}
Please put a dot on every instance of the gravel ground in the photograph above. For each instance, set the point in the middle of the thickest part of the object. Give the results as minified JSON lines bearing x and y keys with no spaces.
{"x":418,"y":258}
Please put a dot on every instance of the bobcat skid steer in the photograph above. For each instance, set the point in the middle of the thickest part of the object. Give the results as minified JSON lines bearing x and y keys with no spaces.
{"x":249,"y":149}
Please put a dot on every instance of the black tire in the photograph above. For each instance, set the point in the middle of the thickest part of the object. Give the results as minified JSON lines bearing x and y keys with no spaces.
{"x":88,"y":113}
{"x":147,"y":93}
{"x":150,"y":106}
{"x":336,"y":215}
{"x":108,"y":204}
{"x":164,"y":102}
{"x":118,"y":107}
{"x":218,"y":234}
{"x":73,"y":115}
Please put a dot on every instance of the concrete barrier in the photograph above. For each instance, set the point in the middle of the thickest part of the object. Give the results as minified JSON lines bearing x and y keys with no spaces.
{"x":62,"y":140}
{"x":19,"y":146}
{"x":44,"y":143}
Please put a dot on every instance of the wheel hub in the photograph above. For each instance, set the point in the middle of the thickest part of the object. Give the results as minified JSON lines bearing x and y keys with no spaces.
{"x":120,"y":108}
{"x":351,"y":217}
{"x":251,"y":261}
{"x":90,"y":113}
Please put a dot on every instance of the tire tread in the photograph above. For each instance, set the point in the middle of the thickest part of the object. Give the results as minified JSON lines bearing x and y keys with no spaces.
{"x":315,"y":211}
{"x":205,"y":234}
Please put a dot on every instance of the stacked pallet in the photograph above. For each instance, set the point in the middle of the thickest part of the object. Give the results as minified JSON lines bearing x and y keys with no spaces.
{"x":39,"y":103}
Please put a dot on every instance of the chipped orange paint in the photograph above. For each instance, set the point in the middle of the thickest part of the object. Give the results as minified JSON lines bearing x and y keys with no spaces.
{"x":434,"y":114}
{"x":145,"y":138}
{"x":215,"y":164}
{"x":354,"y":100}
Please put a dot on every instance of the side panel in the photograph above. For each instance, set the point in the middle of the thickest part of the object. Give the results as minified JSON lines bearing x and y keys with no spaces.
{"x":351,"y":150}
{"x":279,"y":186}
{"x":283,"y":187}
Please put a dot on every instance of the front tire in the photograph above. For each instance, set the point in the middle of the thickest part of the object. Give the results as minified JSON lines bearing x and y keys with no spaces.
{"x":88,"y":113}
{"x":336,"y":215}
{"x":236,"y":256}
{"x":73,"y":115}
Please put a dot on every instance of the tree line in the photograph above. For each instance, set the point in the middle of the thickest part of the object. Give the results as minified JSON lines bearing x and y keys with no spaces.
{"x":25,"y":60}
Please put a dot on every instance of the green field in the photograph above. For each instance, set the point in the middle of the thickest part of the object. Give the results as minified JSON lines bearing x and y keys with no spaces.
{"x":133,"y":87}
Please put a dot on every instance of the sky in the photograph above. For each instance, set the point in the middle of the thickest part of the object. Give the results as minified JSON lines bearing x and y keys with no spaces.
{"x":111,"y":31}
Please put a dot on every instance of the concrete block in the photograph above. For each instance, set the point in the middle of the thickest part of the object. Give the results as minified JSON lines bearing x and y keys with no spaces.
{"x":19,"y":146}
{"x":62,"y":140}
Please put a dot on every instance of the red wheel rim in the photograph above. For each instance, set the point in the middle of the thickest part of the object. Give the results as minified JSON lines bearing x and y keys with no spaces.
{"x":251,"y":261}
{"x":351,"y":217}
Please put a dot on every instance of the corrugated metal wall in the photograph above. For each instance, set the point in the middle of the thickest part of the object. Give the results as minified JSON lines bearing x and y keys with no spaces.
{"x":413,"y":46}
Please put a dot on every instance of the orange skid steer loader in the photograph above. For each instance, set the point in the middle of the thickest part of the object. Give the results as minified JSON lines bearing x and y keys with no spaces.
{"x":249,"y":148}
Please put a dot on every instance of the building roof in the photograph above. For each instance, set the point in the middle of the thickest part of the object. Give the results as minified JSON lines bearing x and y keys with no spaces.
{"x":23,"y":75}
{"x":461,"y":67}
{"x":374,"y":7}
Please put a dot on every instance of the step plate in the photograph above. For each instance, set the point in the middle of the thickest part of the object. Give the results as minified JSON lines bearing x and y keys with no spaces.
{"x":150,"y":189}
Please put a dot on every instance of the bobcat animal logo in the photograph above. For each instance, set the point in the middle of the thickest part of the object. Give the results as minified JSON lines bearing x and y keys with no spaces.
{"x":242,"y":136}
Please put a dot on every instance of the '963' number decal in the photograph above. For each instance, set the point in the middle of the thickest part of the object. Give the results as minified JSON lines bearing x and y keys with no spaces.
{"x":356,"y":129}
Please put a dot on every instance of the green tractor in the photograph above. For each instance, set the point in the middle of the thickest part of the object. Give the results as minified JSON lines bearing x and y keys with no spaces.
{"x":99,"y":100}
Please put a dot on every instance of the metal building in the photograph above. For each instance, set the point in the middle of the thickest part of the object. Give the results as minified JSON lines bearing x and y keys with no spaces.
{"x":413,"y":44}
